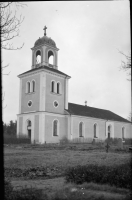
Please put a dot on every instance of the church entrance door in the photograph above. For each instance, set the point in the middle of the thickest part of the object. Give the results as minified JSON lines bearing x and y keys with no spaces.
{"x":29,"y":129}
{"x":29,"y":134}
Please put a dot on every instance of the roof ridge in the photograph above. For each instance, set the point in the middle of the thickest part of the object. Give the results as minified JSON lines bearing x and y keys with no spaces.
{"x":76,"y":109}
{"x":89,"y":106}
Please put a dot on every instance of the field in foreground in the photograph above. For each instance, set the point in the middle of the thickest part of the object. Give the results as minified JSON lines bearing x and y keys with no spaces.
{"x":43,"y":167}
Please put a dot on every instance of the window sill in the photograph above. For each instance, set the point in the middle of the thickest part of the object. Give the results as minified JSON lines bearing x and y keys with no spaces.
{"x":81,"y":136}
{"x":55,"y":135}
{"x":95,"y":137}
{"x":30,"y":93}
{"x":54,"y":93}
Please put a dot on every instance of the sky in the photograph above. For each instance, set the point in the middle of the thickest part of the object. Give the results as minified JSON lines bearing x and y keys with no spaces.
{"x":89,"y":35}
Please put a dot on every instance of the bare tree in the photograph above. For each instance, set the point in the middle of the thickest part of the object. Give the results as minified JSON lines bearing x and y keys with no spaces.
{"x":126,"y":65}
{"x":10,"y":24}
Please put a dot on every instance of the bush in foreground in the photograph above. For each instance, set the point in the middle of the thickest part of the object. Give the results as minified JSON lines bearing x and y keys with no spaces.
{"x":22,"y":194}
{"x":119,"y":175}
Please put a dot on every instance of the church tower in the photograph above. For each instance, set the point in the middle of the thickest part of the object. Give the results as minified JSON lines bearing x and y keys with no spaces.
{"x":43,"y":96}
{"x":43,"y":49}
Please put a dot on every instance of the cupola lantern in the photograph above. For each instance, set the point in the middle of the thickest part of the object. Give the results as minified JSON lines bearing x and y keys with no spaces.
{"x":45,"y":52}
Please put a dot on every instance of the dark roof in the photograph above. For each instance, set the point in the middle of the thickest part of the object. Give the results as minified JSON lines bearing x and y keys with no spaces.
{"x":75,"y":109}
{"x":47,"y":68}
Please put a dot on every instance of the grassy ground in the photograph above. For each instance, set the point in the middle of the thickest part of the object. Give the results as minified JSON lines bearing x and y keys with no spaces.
{"x":56,"y":158}
{"x":61,"y":157}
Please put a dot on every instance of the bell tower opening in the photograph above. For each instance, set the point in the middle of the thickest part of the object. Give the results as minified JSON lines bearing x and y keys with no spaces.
{"x":50,"y":57}
{"x":38,"y":57}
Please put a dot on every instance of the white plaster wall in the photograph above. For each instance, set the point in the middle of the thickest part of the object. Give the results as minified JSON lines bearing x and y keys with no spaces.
{"x":88,"y":127}
{"x":118,"y":129}
{"x":34,"y":96}
{"x":63,"y":127}
{"x":51,"y":97}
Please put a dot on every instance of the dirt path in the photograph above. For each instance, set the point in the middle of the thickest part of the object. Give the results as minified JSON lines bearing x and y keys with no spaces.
{"x":50,"y":186}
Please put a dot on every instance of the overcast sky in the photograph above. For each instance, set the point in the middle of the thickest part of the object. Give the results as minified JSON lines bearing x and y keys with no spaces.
{"x":89,"y":35}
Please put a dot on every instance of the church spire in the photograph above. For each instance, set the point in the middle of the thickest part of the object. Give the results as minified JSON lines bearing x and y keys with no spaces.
{"x":45,"y":30}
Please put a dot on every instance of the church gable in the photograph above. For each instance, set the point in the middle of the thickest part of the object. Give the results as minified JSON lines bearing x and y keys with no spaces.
{"x":43,"y":67}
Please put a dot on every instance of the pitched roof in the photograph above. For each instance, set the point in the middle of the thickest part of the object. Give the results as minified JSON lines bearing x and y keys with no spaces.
{"x":47,"y":68}
{"x":75,"y":109}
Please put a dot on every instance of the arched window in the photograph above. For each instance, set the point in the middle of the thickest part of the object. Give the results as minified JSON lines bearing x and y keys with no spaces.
{"x":55,"y":128}
{"x":33,"y":86}
{"x":109,"y":131}
{"x":123,"y":133}
{"x":81,"y":129}
{"x":52,"y":86}
{"x":28,"y":87}
{"x":50,"y":57}
{"x":58,"y":88}
{"x":29,"y":123}
{"x":95,"y":130}
{"x":38,"y":57}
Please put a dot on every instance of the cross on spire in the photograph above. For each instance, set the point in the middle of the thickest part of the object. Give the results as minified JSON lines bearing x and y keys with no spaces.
{"x":45,"y":30}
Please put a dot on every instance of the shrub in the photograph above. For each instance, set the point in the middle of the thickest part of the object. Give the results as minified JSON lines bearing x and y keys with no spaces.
{"x":128,"y":141}
{"x":119,"y":175}
{"x":112,"y":141}
{"x":27,"y":173}
{"x":64,"y":140}
{"x":14,"y":140}
{"x":8,"y":189}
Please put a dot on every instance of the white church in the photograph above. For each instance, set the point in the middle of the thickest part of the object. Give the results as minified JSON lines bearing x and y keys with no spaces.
{"x":46,"y":116}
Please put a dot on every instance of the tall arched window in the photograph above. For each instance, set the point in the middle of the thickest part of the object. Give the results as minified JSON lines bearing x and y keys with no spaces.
{"x":109,"y":131}
{"x":29,"y":123}
{"x":52,"y":86}
{"x":33,"y":86}
{"x":28,"y":87}
{"x":95,"y":130}
{"x":123,"y":133}
{"x":58,"y":88}
{"x":81,"y":129}
{"x":55,"y":128}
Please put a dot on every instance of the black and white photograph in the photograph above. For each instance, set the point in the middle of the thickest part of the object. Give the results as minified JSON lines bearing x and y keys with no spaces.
{"x":66,"y":100}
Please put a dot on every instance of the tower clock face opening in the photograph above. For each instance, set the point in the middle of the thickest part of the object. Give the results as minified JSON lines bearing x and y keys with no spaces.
{"x":30,"y":103}
{"x":56,"y":104}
